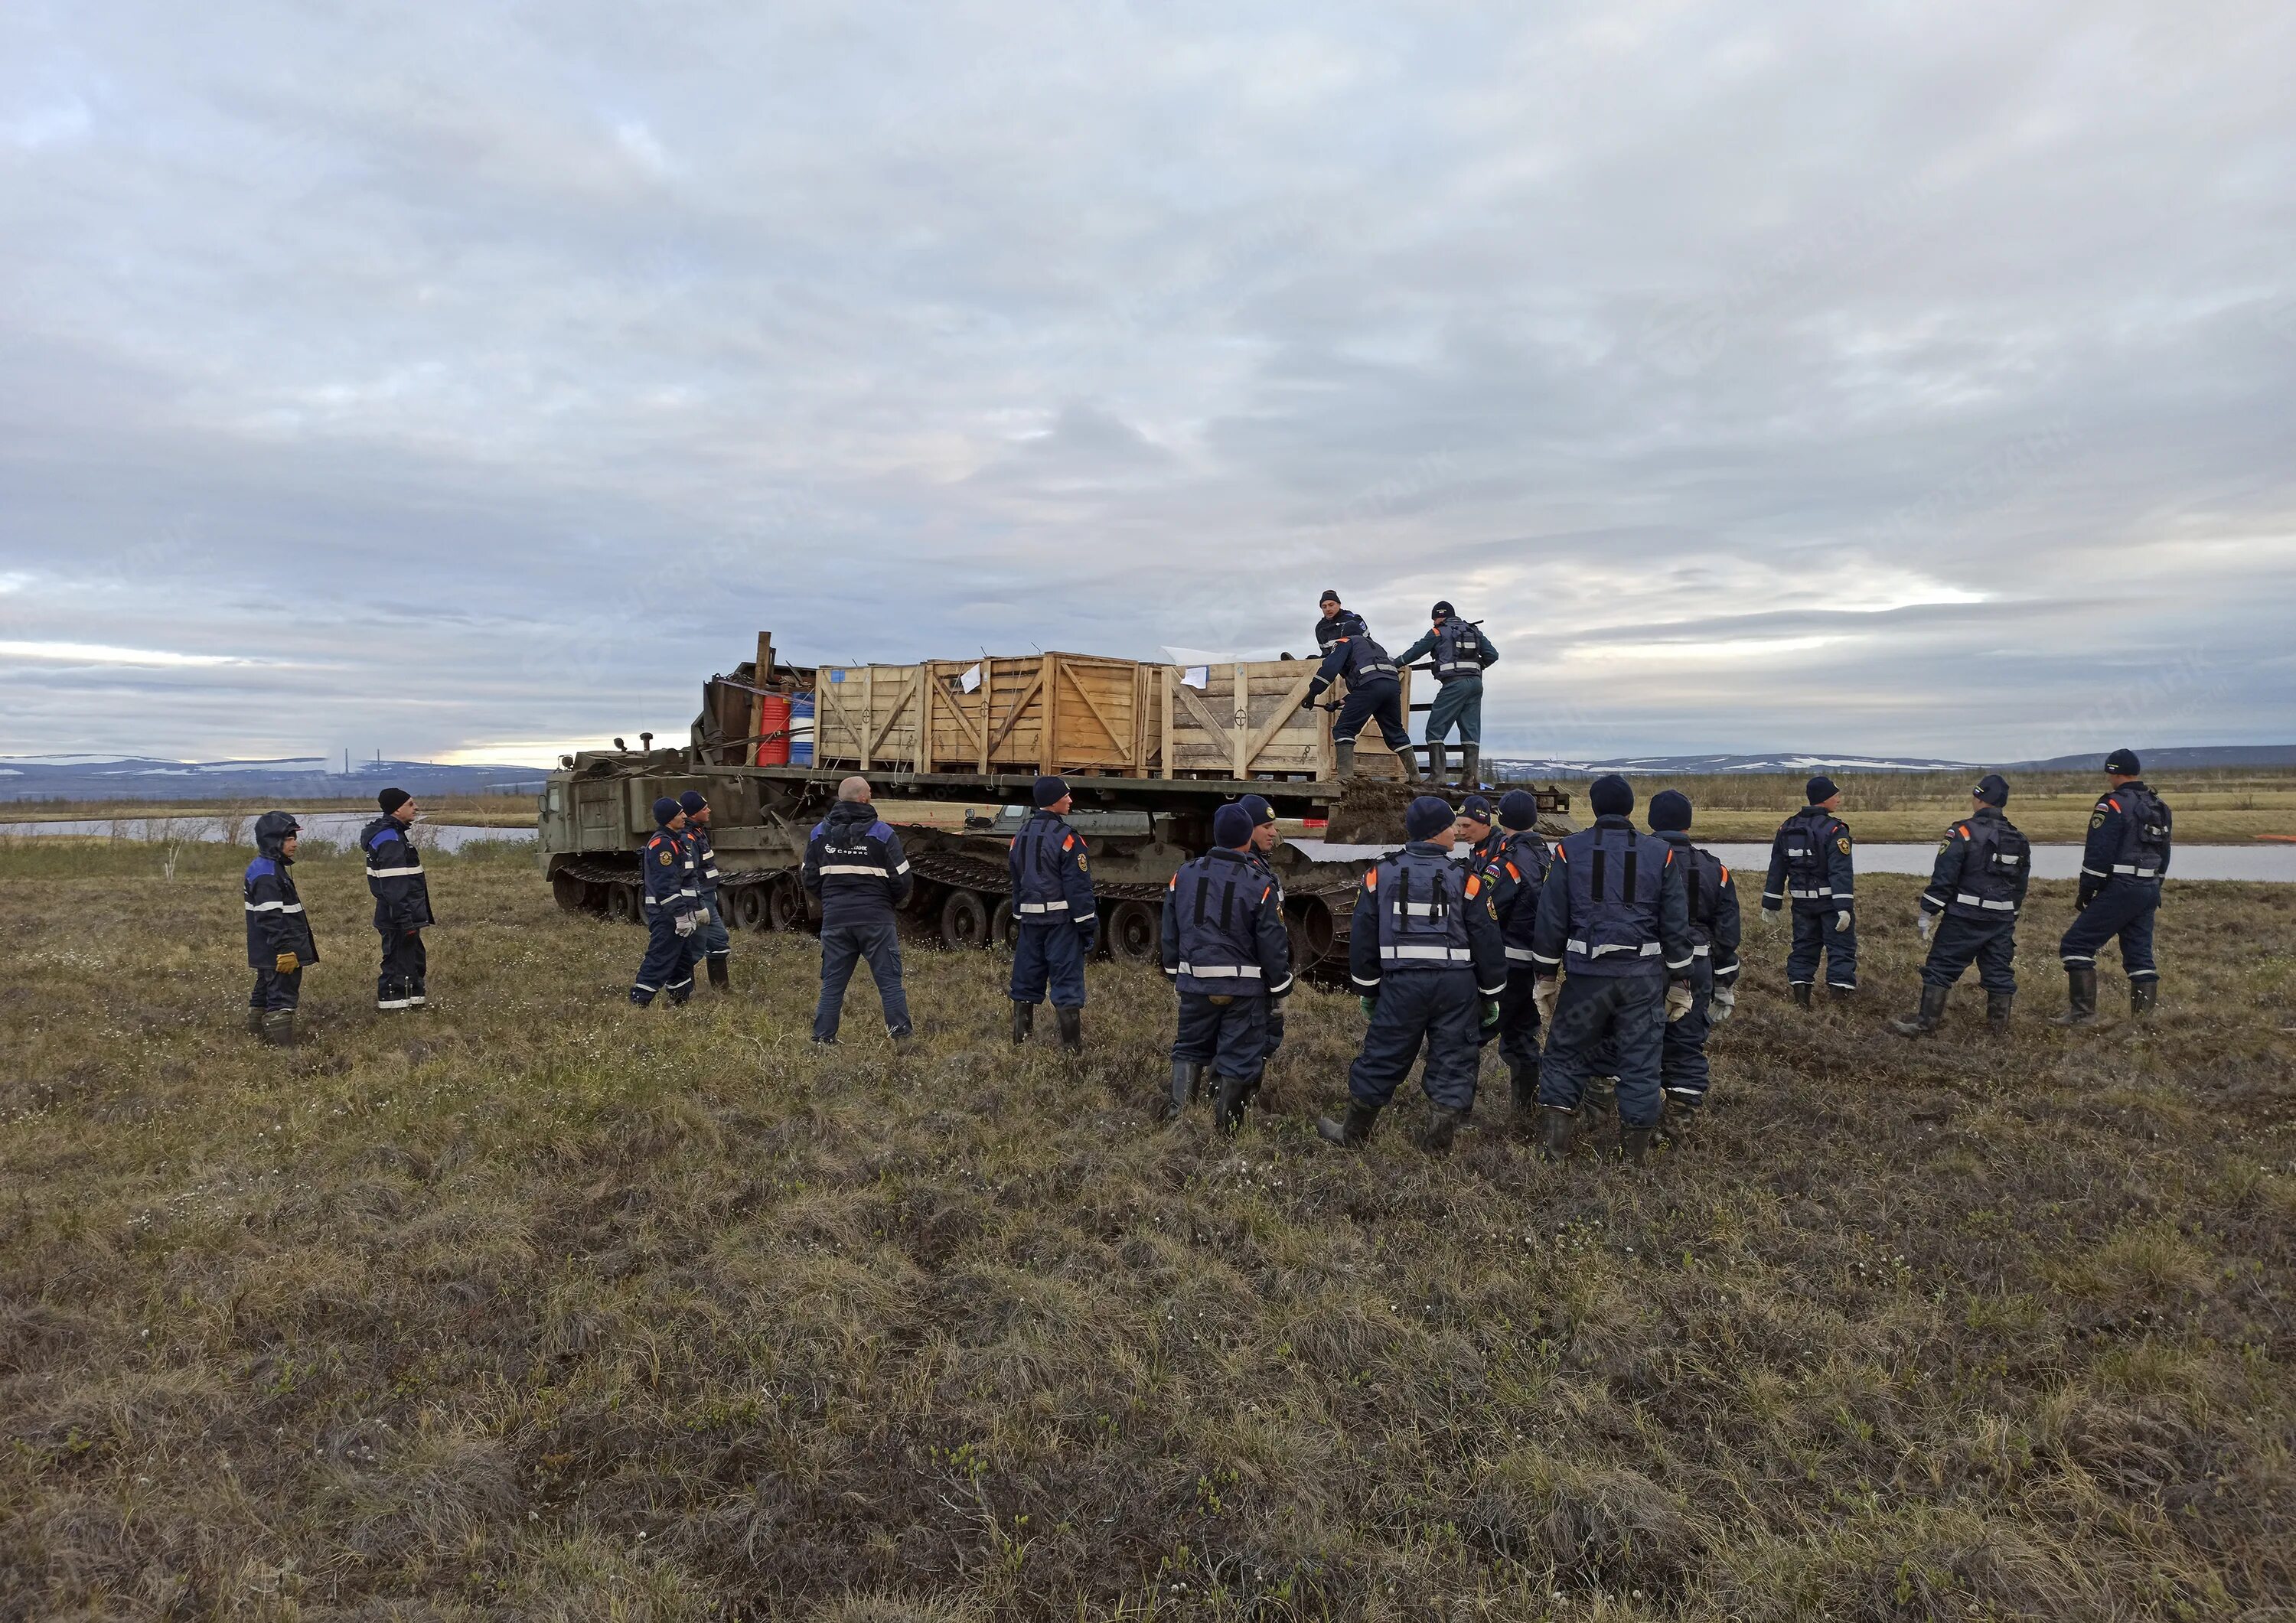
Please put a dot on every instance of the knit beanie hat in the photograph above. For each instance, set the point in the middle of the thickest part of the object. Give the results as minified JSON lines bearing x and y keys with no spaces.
{"x":1669,"y":810}
{"x":1232,"y":827}
{"x":693,"y":802}
{"x":1049,"y":790}
{"x":1475,"y":808}
{"x":1427,"y":817}
{"x":1518,"y":809}
{"x":1612,"y":796}
{"x":664,"y":810}
{"x":1820,"y":788}
{"x":391,"y":799}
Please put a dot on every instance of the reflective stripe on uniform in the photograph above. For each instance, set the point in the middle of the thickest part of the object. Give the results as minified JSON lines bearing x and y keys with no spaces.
{"x":1523,"y":954}
{"x":1036,"y":907}
{"x":1967,"y":900}
{"x":1648,"y":949}
{"x":1805,"y":896}
{"x":1221,"y":971}
{"x":274,"y":906}
{"x":1438,"y":954}
{"x":393,"y":872}
{"x":854,"y":867}
{"x":2127,"y":867}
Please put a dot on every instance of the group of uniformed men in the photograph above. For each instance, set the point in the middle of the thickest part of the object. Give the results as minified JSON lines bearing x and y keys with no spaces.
{"x":280,"y":945}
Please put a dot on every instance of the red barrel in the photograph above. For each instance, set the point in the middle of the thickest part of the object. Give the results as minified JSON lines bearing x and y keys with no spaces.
{"x":773,"y":724}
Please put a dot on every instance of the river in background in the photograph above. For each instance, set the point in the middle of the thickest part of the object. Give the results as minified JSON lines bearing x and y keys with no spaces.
{"x":336,"y":828}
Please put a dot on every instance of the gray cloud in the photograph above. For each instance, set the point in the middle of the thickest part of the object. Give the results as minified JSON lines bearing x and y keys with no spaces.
{"x":1815,"y":377}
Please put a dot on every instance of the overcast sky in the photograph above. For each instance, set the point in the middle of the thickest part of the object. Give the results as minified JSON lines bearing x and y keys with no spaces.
{"x":465,"y":382}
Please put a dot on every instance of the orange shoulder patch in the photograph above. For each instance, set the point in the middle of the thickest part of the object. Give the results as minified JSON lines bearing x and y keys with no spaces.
{"x":1370,"y":880}
{"x":1474,"y":884}
{"x":1514,"y":873}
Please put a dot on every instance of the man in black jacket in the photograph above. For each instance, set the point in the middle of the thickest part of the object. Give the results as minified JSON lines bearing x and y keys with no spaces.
{"x":402,"y":902}
{"x":279,"y":945}
{"x":1976,"y":886}
{"x":2129,"y":837}
{"x":855,"y":865}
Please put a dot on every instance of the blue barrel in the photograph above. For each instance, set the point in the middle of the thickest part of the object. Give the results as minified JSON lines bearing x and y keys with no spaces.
{"x":800,"y":726}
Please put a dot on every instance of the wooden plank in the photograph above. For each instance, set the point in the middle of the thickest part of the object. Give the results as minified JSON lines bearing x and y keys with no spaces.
{"x":1115,"y":738}
{"x":1019,"y":707}
{"x":988,"y":708}
{"x":1285,"y":711}
{"x":757,"y":700}
{"x":906,"y":696}
{"x":921,"y":755}
{"x":1195,"y":708}
{"x":1164,"y":693}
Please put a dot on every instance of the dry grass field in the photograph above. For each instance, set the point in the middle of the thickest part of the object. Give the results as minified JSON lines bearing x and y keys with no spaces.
{"x":538,"y":1306}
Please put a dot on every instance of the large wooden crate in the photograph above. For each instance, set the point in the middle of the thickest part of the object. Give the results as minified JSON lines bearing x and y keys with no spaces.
{"x":1082,"y":714}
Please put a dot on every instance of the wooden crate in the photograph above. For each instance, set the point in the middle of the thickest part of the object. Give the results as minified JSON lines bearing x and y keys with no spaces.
{"x":1246,"y":722}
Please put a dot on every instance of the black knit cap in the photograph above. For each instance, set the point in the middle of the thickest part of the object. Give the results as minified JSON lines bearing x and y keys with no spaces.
{"x":692,"y":801}
{"x":1262,"y":813}
{"x":1669,"y":812}
{"x":664,"y":810}
{"x":1232,"y":828}
{"x":1518,"y":809}
{"x":2123,"y":763}
{"x":391,"y":799}
{"x":1610,"y":796}
{"x":1049,"y":790}
{"x":1476,"y":808}
{"x":1330,"y":595}
{"x":1821,"y":788}
{"x":1442,"y":611}
{"x":1993,"y":789}
{"x":1426,"y":817}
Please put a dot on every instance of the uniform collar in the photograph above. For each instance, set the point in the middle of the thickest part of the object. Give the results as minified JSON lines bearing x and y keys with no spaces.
{"x":1672,"y":836}
{"x":1244,"y":856}
{"x":1424,"y":848}
{"x":1614,"y":820}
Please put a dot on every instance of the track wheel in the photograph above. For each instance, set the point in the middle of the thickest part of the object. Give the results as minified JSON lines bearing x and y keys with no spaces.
{"x":1135,"y":932}
{"x":747,"y":904}
{"x":965,"y":921}
{"x":784,"y":904}
{"x":624,"y":902}
{"x":1002,"y":929}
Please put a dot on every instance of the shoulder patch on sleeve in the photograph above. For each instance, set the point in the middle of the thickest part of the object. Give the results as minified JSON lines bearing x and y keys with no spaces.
{"x":1370,"y":880}
{"x":1474,"y":885}
{"x":1514,"y":873}
{"x":1067,"y":842}
{"x":1842,"y":845}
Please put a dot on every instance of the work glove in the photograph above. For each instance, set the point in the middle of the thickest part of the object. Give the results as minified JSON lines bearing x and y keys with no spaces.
{"x":1091,"y":933}
{"x":1677,"y":1001}
{"x":1490,"y":1013}
{"x":2084,"y":897}
{"x":1926,"y":923}
{"x":687,"y":924}
{"x":1543,"y":994}
{"x":1841,"y":918}
{"x":1721,"y":1003}
{"x":1369,"y":1005}
{"x":286,"y":963}
{"x":1769,"y":915}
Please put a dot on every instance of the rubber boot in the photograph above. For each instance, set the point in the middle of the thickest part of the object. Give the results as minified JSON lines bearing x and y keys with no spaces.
{"x":2080,"y":997}
{"x":1438,"y":762}
{"x":279,"y":1027}
{"x":1071,"y":1030}
{"x":1678,"y":1116}
{"x":1442,"y":1127}
{"x":1349,"y":1131}
{"x":1227,"y":1108}
{"x":1802,"y":994}
{"x":1410,"y":765}
{"x":1187,"y":1082}
{"x":1836,"y":993}
{"x":1523,"y":1090}
{"x":2143,"y":995}
{"x":1471,"y":767}
{"x":1634,"y":1143}
{"x":1601,"y":1097}
{"x":1343,"y":760}
{"x":1925,"y":1018}
{"x":1558,"y":1129}
{"x":1997,"y":1006}
{"x":255,"y":1022}
{"x":1024,"y":1020}
{"x":719,"y":975}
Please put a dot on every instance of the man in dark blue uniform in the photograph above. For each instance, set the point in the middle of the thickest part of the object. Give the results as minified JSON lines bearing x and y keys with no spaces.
{"x":1614,"y":922}
{"x":673,"y":906}
{"x":402,"y":902}
{"x":1514,"y":864}
{"x":854,"y":862}
{"x":1969,"y":913}
{"x":1057,"y":926}
{"x":279,"y":944}
{"x":1375,"y":689}
{"x":1425,"y":952}
{"x":1810,"y":866}
{"x":2122,"y":865}
{"x":1225,"y":948}
{"x":1714,"y":931}
{"x":714,"y":940}
{"x":1260,"y":854}
{"x":1461,"y":651}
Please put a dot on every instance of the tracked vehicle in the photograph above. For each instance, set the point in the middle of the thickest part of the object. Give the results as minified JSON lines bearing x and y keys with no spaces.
{"x":1144,"y":789}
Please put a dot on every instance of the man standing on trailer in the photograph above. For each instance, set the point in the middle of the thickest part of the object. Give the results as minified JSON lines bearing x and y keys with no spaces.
{"x":717,"y":942}
{"x":1375,"y":689}
{"x":402,"y":902}
{"x":1057,"y":924}
{"x":1461,"y":651}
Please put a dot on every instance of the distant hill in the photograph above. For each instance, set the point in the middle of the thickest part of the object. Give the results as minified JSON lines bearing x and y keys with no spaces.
{"x":88,"y":777}
{"x":2188,"y":758}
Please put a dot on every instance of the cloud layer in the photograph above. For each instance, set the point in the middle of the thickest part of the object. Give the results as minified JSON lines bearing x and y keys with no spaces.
{"x":1913,"y":379}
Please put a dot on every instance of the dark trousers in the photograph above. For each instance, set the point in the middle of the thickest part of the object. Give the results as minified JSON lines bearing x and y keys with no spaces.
{"x":1628,"y":1013}
{"x":275,"y":991}
{"x":716,"y":942}
{"x":1991,"y":944}
{"x":1517,"y":1032}
{"x":843,"y":947}
{"x":1682,"y":1067}
{"x":1380,"y":702}
{"x":1814,"y":935}
{"x":1228,"y":1033}
{"x":1438,"y":1007}
{"x":404,"y":966}
{"x":1458,"y":704}
{"x":668,"y":963}
{"x":1049,"y":954}
{"x":2123,"y":908}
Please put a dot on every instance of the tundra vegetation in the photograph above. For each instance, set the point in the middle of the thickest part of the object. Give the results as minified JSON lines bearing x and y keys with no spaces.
{"x":540,"y":1306}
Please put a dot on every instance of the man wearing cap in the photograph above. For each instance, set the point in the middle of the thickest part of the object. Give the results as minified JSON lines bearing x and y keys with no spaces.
{"x":279,"y":944}
{"x":855,"y":863}
{"x":1425,"y":955}
{"x":1461,"y":651}
{"x":715,"y":941}
{"x":1375,"y":688}
{"x":673,"y":907}
{"x":1514,"y":864}
{"x":2122,"y":865}
{"x":1976,"y":888}
{"x":1614,"y":923}
{"x":402,"y":902}
{"x":1810,"y":866}
{"x":1260,"y":854}
{"x":1225,"y":948}
{"x":1056,"y":923}
{"x":1714,"y":930}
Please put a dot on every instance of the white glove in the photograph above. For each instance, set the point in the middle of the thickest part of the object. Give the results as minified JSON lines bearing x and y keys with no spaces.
{"x":1543,"y":994}
{"x":1841,"y":918}
{"x":1677,"y":1001}
{"x":687,"y":924}
{"x":1926,"y":923}
{"x":1721,"y":1002}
